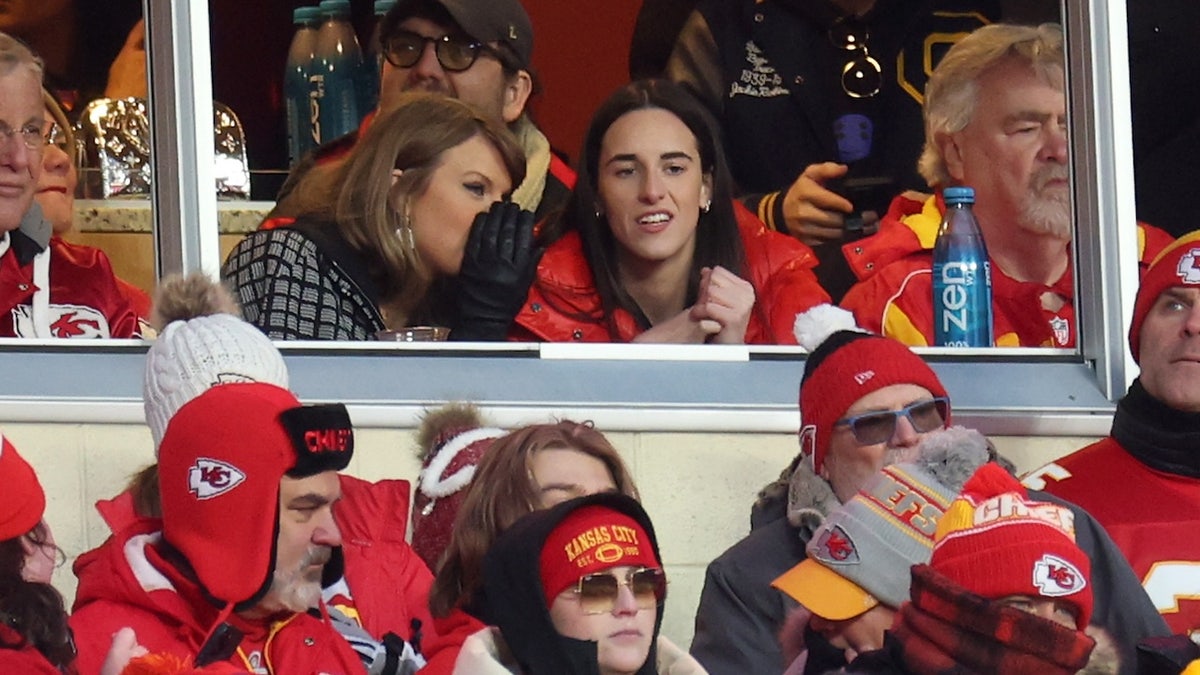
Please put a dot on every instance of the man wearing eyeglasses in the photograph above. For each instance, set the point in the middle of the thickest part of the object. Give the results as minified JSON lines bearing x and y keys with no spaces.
{"x":48,"y":288}
{"x":820,"y":102}
{"x":478,"y":51}
{"x":865,"y":402}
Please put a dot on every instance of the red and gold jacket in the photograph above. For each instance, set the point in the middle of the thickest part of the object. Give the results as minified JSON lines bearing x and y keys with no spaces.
{"x":563,"y":305}
{"x":894,"y":295}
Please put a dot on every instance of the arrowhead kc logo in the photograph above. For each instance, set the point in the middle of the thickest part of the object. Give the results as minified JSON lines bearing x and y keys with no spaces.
{"x":1056,"y":577}
{"x":210,"y":477}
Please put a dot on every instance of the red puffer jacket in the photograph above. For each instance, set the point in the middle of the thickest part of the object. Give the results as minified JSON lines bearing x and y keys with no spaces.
{"x":563,"y":305}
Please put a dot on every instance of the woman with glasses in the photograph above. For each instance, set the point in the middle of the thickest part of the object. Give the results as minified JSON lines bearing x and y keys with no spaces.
{"x":575,"y":589}
{"x":652,"y":248}
{"x":414,"y":229}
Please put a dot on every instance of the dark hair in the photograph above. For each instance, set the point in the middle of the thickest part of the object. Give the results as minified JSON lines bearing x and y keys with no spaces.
{"x":718,"y":241}
{"x":35,"y":611}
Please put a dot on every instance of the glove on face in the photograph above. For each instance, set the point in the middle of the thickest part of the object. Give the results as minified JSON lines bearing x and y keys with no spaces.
{"x":498,"y":266}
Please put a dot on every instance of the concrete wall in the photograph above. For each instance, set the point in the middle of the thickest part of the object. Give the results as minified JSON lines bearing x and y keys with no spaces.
{"x":697,"y":487}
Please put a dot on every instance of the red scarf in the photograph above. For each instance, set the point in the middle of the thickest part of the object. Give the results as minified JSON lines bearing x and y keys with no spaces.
{"x":946,"y":630}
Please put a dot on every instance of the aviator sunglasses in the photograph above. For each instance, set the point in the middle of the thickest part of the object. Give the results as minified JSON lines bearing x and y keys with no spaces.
{"x":876,"y":427}
{"x":455,"y":53}
{"x":598,"y":592}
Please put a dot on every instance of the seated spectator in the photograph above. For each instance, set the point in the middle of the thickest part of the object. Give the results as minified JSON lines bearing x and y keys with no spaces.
{"x":532,"y":468}
{"x":56,"y":192}
{"x":229,"y":574}
{"x":1006,"y":591}
{"x":996,"y":121}
{"x":202,"y":343}
{"x":855,"y":576}
{"x":405,"y":238}
{"x":575,"y":589}
{"x":52,"y":289}
{"x":652,"y":250}
{"x":865,"y":401}
{"x":480,"y":53}
{"x":1142,"y":482}
{"x":810,"y":93}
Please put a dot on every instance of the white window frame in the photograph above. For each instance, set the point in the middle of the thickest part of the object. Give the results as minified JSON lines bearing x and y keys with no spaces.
{"x":622,"y":387}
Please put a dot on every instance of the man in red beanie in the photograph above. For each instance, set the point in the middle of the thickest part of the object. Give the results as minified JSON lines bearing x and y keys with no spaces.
{"x":865,"y":402}
{"x":248,"y":479}
{"x":1007,"y":590}
{"x":1143,"y":481}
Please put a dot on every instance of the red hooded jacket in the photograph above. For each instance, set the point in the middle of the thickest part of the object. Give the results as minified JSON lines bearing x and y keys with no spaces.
{"x":127,"y":582}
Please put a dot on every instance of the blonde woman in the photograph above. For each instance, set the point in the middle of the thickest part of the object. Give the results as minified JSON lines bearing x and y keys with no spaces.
{"x":419,"y":232}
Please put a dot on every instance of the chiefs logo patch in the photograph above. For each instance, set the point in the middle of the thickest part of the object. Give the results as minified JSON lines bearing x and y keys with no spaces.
{"x":210,"y":478}
{"x":1056,"y":577}
{"x":1189,"y":267}
{"x":66,"y":321}
{"x":836,"y":547}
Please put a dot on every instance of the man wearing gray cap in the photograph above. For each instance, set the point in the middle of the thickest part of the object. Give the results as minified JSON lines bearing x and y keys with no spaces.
{"x":478,"y":51}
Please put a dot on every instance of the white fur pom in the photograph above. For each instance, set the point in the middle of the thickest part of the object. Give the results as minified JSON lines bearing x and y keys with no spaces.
{"x":818,"y":323}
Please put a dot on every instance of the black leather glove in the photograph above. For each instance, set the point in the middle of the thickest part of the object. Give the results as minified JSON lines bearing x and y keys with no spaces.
{"x":498,"y":266}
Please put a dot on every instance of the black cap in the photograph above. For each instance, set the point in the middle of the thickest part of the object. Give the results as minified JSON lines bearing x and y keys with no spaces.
{"x":503,"y":21}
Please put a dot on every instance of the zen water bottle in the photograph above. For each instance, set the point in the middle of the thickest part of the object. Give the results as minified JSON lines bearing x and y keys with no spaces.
{"x":337,"y":71}
{"x":374,"y":59}
{"x":962,"y":276}
{"x":302,"y":133}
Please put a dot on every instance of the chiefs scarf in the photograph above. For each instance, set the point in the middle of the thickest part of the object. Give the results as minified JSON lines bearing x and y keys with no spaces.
{"x":949,"y":630}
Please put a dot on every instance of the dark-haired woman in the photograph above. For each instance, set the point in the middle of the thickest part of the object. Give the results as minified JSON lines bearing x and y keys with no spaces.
{"x":652,"y":248}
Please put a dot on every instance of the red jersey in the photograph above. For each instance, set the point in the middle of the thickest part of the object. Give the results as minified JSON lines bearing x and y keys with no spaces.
{"x":1153,"y":517}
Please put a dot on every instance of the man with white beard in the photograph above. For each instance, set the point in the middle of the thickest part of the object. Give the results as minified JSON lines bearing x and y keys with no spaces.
{"x":232,"y":572}
{"x":996,"y":121}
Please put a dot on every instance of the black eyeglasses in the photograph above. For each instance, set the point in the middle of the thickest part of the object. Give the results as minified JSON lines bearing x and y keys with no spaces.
{"x":862,"y":77}
{"x":878,"y":427}
{"x":455,"y":53}
{"x":598,"y":592}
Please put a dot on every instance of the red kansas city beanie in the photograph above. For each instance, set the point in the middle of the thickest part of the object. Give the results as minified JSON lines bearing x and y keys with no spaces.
{"x":23,"y":502}
{"x":219,"y":468}
{"x":995,"y":542}
{"x":845,"y":364}
{"x":592,"y":539}
{"x":1177,"y":265}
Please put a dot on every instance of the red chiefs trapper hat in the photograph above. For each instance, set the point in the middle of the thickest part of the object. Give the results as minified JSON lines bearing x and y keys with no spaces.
{"x":220,"y":464}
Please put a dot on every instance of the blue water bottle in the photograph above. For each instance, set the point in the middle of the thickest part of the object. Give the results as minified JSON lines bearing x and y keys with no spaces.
{"x":962,"y":276}
{"x":337,"y":72}
{"x":302,"y":133}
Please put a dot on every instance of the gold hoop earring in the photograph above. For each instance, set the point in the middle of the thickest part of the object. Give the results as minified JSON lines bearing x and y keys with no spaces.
{"x":405,"y":232}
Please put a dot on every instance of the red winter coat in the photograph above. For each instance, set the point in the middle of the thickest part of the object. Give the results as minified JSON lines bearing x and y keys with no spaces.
{"x":563,"y":305}
{"x":894,"y":296}
{"x":85,"y":300}
{"x":388,"y":581}
{"x":25,"y":659}
{"x":126,"y":582}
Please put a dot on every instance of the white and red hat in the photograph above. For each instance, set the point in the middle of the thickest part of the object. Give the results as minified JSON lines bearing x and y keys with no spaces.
{"x":845,"y":364}
{"x":220,"y":465}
